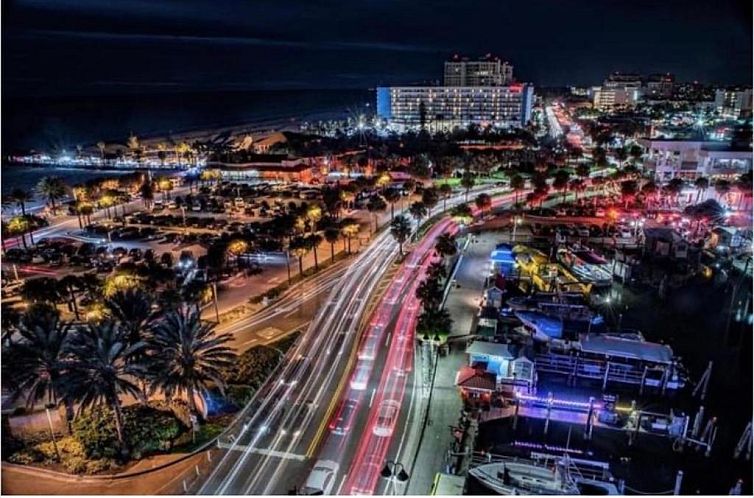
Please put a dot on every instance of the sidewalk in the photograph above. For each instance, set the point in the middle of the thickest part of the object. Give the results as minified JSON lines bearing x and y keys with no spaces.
{"x":446,"y":404}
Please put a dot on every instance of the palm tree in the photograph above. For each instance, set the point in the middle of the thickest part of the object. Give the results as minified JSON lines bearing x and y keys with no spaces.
{"x":34,"y":363}
{"x":436,"y":270}
{"x":483,"y":202}
{"x":299,"y":246}
{"x":517,"y":184}
{"x":69,"y":284}
{"x":583,"y":170}
{"x":187,"y":356}
{"x":649,"y":190}
{"x":102,"y":371}
{"x":467,"y":182}
{"x":332,"y":234}
{"x":20,"y":198}
{"x":132,"y":308}
{"x":560,"y":182}
{"x":147,"y":193}
{"x":52,"y":188}
{"x":418,"y":211}
{"x":446,"y":245}
{"x":391,"y":195}
{"x":621,"y":154}
{"x":314,"y":240}
{"x":628,"y":190}
{"x":722,"y":188}
{"x":429,"y":293}
{"x":375,"y":205}
{"x":445,"y":191}
{"x":400,"y":228}
{"x":434,"y":324}
{"x":350,"y":228}
{"x":577,"y":185}
{"x":701,"y":185}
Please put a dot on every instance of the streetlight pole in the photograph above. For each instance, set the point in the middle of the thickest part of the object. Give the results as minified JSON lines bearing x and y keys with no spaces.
{"x":394,"y":471}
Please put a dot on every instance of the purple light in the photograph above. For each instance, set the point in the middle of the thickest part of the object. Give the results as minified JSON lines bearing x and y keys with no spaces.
{"x":556,"y":401}
{"x":538,"y":446}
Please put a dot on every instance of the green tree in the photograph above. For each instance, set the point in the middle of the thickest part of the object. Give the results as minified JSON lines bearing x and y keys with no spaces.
{"x":332,"y":234}
{"x":314,"y":240}
{"x":392,"y":195}
{"x":53,"y":189}
{"x":430,"y":198}
{"x":101,"y":371}
{"x":400,"y":228}
{"x":299,"y":246}
{"x":19,"y":197}
{"x":560,"y":182}
{"x":132,"y":308}
{"x":517,"y":184}
{"x":701,"y":184}
{"x":187,"y":356}
{"x":445,"y":191}
{"x":467,"y":182}
{"x":376,"y":204}
{"x":418,"y":211}
{"x":446,"y":245}
{"x":483,"y":202}
{"x":34,"y":363}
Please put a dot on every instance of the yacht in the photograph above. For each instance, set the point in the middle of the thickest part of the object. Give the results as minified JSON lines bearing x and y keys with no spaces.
{"x":536,"y":477}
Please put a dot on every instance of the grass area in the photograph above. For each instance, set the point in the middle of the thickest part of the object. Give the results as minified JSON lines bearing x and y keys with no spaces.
{"x":453,"y":182}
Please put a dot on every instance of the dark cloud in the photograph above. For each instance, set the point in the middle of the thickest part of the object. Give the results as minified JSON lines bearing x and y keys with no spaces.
{"x":80,"y":46}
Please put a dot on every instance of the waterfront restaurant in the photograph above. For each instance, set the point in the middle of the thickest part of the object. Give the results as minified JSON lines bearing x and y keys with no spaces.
{"x":268,"y":167}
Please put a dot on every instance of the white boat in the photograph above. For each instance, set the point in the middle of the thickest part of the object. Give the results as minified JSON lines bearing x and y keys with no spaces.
{"x":529,"y":477}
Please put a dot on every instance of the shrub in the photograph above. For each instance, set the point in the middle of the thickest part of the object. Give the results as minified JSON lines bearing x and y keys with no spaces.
{"x":147,"y":430}
{"x":26,"y":457}
{"x":239,"y":395}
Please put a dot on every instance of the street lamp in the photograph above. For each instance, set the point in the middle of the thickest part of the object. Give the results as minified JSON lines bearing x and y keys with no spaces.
{"x":394,"y":472}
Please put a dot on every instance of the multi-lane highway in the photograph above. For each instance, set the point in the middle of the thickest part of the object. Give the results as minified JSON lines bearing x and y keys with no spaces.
{"x":271,"y":447}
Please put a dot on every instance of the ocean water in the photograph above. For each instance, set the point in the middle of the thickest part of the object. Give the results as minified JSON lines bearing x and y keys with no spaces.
{"x":56,"y":124}
{"x":27,"y":177}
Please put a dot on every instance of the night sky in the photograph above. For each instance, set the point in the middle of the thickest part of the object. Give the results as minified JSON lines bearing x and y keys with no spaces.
{"x":87,"y":47}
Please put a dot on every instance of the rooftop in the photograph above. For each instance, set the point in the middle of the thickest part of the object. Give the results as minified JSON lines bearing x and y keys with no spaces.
{"x":491,"y":349}
{"x":627,"y":348}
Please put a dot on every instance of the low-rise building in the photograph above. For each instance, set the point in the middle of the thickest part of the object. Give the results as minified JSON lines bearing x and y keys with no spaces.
{"x":271,"y":167}
{"x":690,"y":159}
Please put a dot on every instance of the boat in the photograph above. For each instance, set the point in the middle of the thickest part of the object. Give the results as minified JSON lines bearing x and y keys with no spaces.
{"x":588,"y":266}
{"x":514,"y":476}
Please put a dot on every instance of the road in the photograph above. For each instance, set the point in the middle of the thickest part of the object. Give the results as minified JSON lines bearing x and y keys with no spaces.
{"x":279,"y":430}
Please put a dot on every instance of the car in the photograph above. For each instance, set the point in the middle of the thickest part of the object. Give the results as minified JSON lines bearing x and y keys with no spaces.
{"x":172,"y":205}
{"x":360,"y":376}
{"x":600,"y":213}
{"x":583,"y":231}
{"x":343,"y":418}
{"x":239,"y":202}
{"x":135,"y":253}
{"x":386,"y":418}
{"x":295,"y":427}
{"x":196,"y":207}
{"x":321,"y":479}
{"x":300,"y":369}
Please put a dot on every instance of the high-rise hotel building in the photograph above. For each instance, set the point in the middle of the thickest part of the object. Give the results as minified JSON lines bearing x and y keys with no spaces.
{"x":475,"y":92}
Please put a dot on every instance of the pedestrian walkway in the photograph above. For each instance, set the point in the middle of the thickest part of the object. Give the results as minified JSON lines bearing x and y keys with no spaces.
{"x":445,"y":401}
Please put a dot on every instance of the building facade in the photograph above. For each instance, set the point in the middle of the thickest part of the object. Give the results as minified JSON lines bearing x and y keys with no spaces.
{"x":486,"y":71}
{"x":733,"y":103}
{"x":688,"y":159}
{"x":448,"y":107}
